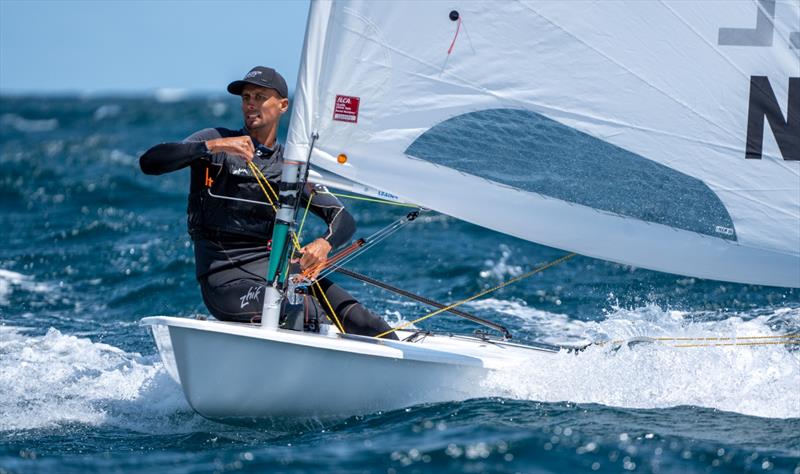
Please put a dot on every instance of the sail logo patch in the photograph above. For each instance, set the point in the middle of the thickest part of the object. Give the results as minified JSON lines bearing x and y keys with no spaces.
{"x":345,"y":109}
{"x":723,"y":230}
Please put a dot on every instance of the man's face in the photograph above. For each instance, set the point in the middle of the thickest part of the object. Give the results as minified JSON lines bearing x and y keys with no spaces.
{"x":262,"y":107}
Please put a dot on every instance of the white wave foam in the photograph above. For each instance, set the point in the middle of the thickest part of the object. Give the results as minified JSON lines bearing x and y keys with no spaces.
{"x":106,"y":111}
{"x":21,"y":124}
{"x":9,"y":281}
{"x":551,"y":327}
{"x":758,"y":381}
{"x":50,"y":380}
{"x":501,"y":269}
{"x":168,"y":95}
{"x":120,"y":157}
{"x":218,"y":109}
{"x":395,"y":319}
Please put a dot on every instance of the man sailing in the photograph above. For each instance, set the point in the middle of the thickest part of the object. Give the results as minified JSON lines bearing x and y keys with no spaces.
{"x":230,"y":221}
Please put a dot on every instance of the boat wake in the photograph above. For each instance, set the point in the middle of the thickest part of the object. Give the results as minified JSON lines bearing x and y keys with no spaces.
{"x":751,"y":380}
{"x":553,"y":328}
{"x":58,"y":379}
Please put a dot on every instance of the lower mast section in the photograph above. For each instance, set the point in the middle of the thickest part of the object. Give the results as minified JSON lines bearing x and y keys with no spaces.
{"x":293,"y":177}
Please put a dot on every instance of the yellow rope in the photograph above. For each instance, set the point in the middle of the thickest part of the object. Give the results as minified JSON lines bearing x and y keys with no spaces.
{"x":319,"y":287}
{"x":782,"y":336}
{"x":482,"y":293}
{"x":328,"y":303}
{"x":760,"y":343}
{"x":749,"y":340}
{"x":257,"y":173}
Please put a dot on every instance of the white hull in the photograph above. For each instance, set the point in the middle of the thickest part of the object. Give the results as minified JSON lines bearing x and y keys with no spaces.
{"x":241,"y":371}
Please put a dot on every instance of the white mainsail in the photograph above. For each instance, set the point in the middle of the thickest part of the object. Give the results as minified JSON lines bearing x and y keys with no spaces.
{"x":615,"y":129}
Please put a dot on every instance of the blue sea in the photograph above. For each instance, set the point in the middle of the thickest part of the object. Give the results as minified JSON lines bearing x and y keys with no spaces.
{"x":89,"y":245}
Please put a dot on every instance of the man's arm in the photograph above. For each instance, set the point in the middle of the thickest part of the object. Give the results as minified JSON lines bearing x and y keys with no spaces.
{"x":168,"y":157}
{"x":341,"y":226}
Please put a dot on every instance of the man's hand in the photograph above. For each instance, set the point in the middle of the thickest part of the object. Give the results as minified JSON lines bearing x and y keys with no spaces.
{"x":314,"y":254}
{"x":242,"y":146}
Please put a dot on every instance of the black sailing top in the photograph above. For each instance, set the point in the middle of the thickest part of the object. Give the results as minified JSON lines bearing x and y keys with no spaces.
{"x":229,"y":233}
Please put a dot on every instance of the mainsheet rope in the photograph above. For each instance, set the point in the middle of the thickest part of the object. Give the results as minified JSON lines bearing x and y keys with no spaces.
{"x":482,"y":293}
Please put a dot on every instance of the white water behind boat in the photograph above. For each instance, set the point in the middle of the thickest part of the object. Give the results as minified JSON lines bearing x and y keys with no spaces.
{"x":54,"y":379}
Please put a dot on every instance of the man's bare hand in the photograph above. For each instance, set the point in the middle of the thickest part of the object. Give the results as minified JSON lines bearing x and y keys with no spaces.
{"x":242,"y":146}
{"x":315,"y":254}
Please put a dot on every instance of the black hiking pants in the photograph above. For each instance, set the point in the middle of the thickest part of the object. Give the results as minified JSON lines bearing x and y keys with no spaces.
{"x":237,"y":294}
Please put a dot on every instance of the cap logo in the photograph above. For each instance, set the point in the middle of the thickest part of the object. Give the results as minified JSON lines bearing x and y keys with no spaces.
{"x":252,"y":74}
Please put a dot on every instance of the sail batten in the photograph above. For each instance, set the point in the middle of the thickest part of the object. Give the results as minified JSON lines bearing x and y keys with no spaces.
{"x":619,"y":131}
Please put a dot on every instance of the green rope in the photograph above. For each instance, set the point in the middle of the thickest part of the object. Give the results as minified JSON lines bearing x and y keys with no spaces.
{"x":299,"y":233}
{"x":380,"y":201}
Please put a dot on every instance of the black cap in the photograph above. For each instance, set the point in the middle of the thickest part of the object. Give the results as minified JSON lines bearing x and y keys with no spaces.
{"x":261,"y":76}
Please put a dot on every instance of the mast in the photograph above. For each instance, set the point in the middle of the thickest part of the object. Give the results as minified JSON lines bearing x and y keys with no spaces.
{"x":302,"y":136}
{"x":278,"y":259}
{"x":294,"y":174}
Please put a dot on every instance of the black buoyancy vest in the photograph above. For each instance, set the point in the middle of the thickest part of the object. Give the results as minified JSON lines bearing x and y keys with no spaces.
{"x":229,"y":176}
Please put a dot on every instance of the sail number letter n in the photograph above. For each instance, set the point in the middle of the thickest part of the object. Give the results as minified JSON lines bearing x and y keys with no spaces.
{"x":345,"y":109}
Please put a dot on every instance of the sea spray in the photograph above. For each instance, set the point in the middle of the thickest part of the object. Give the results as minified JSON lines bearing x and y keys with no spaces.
{"x":11,"y":281}
{"x":49,"y":380}
{"x":752,"y":380}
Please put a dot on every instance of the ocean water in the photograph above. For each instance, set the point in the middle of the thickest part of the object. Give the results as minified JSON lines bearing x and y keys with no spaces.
{"x":89,"y":246}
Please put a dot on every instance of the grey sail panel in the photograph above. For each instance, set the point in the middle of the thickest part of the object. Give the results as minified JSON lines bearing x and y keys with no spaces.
{"x":527,"y":151}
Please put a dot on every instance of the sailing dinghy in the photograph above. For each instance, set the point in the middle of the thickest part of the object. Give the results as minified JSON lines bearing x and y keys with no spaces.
{"x":662,"y":135}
